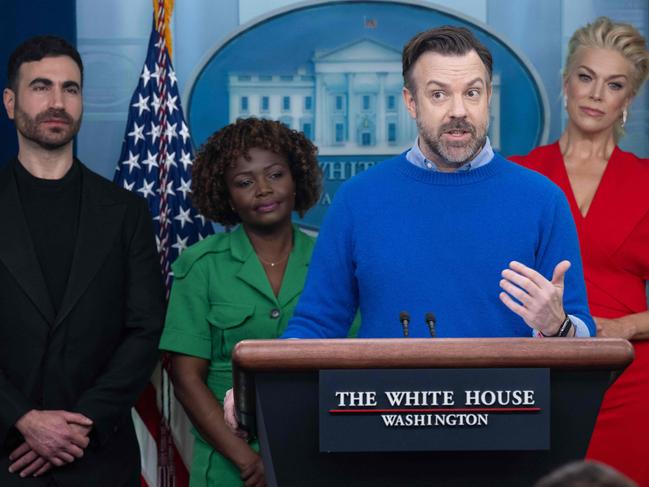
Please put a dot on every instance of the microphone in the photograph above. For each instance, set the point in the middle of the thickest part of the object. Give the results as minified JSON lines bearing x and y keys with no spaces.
{"x":404,"y":318}
{"x":430,"y":321}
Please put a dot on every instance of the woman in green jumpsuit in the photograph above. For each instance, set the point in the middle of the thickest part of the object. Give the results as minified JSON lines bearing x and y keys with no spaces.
{"x":237,"y":285}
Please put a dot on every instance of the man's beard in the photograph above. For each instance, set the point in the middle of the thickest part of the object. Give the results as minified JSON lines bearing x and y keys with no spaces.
{"x":454,"y":154}
{"x":49,"y":139}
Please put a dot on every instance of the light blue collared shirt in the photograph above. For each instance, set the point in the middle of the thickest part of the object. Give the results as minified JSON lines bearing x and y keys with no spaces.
{"x":484,"y":157}
{"x":417,"y":157}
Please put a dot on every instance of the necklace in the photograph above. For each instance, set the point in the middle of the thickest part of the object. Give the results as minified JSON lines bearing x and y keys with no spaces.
{"x":273,"y":264}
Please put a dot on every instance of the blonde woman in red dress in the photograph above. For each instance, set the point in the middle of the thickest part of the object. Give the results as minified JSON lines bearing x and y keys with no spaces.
{"x":608,"y":191}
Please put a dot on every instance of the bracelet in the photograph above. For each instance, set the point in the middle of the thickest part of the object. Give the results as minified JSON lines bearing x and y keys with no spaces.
{"x":564,"y":329}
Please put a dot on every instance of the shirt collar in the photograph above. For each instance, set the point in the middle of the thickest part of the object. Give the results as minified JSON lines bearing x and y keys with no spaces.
{"x":242,"y":249}
{"x":417,"y":157}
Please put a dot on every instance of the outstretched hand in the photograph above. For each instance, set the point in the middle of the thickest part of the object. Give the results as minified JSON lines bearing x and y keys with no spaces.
{"x":532,"y":297}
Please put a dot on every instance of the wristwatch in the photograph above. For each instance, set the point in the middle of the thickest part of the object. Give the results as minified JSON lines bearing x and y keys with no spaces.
{"x":564,"y":329}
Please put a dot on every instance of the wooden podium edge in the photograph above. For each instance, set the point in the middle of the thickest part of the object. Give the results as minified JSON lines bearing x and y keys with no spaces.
{"x":357,"y":353}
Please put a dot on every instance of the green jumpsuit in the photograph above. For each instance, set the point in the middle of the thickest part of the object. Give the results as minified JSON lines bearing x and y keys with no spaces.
{"x":220,"y":296}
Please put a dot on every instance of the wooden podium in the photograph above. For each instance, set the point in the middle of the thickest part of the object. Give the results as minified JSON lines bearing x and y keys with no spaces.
{"x":276,"y":396}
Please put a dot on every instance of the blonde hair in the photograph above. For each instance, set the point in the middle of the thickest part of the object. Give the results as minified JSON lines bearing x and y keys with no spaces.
{"x":604,"y":33}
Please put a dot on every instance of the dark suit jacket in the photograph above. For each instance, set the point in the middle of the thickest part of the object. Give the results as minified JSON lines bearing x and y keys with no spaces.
{"x":96,"y":355}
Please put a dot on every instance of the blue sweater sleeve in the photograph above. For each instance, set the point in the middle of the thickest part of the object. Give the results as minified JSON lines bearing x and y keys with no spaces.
{"x":559,"y":241}
{"x":329,"y":300}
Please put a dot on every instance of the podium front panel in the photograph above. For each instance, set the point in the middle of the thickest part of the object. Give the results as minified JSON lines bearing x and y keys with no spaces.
{"x":288,"y":432}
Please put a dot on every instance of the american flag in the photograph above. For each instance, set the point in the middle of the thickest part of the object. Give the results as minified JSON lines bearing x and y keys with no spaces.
{"x":156,"y":162}
{"x":157,"y":156}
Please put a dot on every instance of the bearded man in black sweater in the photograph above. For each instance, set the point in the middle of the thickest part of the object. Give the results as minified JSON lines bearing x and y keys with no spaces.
{"x":81,"y":300}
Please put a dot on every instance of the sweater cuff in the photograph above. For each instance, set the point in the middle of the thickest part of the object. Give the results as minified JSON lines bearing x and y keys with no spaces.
{"x":581,"y":330}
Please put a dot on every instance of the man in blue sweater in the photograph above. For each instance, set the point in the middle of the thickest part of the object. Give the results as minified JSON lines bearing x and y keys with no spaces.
{"x":448,"y":227}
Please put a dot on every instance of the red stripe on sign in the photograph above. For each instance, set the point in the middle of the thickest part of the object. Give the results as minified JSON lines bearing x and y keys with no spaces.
{"x":465,"y":410}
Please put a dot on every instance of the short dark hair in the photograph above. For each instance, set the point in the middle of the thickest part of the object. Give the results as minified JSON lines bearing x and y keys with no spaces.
{"x":37,"y":48}
{"x":447,"y":40}
{"x":222,"y":149}
{"x":586,"y":473}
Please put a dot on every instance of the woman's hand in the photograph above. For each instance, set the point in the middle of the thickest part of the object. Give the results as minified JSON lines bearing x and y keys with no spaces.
{"x":230,"y":416}
{"x":252,"y":474}
{"x":614,"y":328}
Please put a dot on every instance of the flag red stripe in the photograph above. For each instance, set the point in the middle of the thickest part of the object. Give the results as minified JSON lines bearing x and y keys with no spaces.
{"x":148,"y":410}
{"x":182,"y":474}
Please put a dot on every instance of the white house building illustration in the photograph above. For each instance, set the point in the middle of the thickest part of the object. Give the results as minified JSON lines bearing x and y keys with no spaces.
{"x":347,"y":100}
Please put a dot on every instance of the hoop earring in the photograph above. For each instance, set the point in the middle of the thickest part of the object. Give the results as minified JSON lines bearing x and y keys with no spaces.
{"x":624,"y":115}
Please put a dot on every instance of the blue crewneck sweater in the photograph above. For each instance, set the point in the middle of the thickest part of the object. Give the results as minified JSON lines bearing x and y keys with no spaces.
{"x":398,"y":237}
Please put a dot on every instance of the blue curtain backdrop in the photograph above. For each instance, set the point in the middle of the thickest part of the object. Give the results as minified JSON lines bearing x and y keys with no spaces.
{"x":19,"y":21}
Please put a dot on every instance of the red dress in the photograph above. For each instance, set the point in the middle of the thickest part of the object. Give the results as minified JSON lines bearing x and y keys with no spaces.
{"x":614,"y":240}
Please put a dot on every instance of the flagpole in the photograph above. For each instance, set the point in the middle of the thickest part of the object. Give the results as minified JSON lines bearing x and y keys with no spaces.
{"x":166,"y":471}
{"x":157,"y":164}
